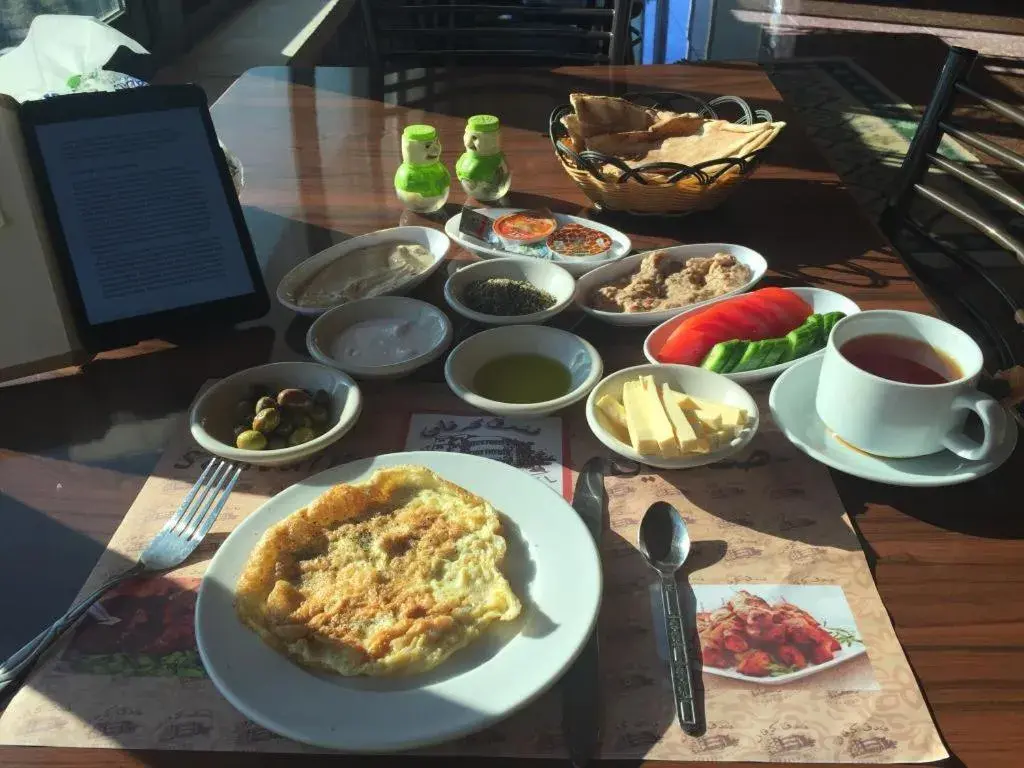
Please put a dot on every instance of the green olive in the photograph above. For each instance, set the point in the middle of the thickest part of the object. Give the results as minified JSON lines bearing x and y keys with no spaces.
{"x":265,"y":402}
{"x":319,"y":415}
{"x":251,"y":440}
{"x":266,"y":421}
{"x":294,"y":398}
{"x":240,"y":429}
{"x":322,"y":398}
{"x":301,"y":435}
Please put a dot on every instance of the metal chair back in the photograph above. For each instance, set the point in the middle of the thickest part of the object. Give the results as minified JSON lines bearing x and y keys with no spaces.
{"x":415,"y":33}
{"x":971,"y":285}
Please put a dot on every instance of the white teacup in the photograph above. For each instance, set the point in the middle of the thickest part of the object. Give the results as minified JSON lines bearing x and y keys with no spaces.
{"x":900,"y":420}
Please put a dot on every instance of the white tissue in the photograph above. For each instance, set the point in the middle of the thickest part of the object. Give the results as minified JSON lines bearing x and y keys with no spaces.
{"x":55,"y":49}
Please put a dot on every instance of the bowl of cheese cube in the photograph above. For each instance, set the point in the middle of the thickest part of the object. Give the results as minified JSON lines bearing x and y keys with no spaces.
{"x":672,"y":416}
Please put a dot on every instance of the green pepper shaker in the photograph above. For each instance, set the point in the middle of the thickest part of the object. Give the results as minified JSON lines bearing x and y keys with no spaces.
{"x":482,"y":168}
{"x":422,"y":181}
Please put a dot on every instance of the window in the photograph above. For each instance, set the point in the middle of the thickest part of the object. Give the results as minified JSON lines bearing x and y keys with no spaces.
{"x":17,"y":15}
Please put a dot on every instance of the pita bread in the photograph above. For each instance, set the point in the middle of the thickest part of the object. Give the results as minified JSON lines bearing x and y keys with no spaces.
{"x":607,"y":114}
{"x":632,"y":144}
{"x":572,"y":126}
{"x":716,"y":139}
{"x":641,"y":136}
{"x":671,"y":124}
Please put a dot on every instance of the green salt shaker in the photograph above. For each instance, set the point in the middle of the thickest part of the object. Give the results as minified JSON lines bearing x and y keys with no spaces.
{"x":482,"y":168}
{"x":422,"y":181}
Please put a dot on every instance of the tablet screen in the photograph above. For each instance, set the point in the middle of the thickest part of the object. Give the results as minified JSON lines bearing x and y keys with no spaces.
{"x":144,"y":214}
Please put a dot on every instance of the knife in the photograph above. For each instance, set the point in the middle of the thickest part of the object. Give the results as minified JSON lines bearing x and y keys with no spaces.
{"x":581,"y":700}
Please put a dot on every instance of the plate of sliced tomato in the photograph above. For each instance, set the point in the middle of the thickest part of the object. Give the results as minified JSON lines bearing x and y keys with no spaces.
{"x":752,"y":336}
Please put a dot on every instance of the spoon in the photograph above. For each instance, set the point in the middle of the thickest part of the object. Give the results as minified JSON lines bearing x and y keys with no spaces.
{"x":665,"y":545}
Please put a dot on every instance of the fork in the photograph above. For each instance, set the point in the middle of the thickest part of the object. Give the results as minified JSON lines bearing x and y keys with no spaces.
{"x":170,"y":547}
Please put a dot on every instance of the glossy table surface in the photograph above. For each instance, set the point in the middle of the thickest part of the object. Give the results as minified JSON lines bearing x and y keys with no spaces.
{"x":319,"y":150}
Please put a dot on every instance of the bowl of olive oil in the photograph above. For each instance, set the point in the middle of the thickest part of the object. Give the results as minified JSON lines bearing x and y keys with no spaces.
{"x":523,"y":370}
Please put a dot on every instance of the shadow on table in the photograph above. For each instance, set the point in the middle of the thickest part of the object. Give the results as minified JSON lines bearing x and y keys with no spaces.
{"x":986,"y":508}
{"x":783,"y":513}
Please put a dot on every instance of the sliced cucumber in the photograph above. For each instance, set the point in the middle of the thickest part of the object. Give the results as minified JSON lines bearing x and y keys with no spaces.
{"x":808,"y":338}
{"x":752,"y":357}
{"x":774,"y":351}
{"x":724,"y":355}
{"x":829,"y":319}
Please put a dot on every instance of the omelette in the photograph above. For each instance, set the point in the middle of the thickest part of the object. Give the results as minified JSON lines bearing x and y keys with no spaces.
{"x":389,"y":576}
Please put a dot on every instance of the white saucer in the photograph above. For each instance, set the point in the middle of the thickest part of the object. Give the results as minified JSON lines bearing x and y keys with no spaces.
{"x":792,"y":405}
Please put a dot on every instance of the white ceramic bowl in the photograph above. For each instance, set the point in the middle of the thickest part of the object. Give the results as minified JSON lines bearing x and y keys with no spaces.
{"x":433,"y":240}
{"x":683,"y":378}
{"x":332,"y":322}
{"x":212,"y":416}
{"x":545,"y":275}
{"x":576,"y":354}
{"x":590,"y":282}
{"x":821,"y":301}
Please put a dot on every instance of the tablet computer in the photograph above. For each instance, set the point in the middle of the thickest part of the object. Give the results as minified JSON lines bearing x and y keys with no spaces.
{"x":145,"y":222}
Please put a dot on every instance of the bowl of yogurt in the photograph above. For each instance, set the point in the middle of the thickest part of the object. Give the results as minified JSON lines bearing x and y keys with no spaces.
{"x":380,"y":337}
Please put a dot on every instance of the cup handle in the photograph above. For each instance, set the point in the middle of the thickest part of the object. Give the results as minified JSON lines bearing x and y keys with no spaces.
{"x":993,"y":421}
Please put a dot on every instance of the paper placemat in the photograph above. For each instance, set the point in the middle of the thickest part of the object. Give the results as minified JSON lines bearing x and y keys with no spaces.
{"x":766,"y":525}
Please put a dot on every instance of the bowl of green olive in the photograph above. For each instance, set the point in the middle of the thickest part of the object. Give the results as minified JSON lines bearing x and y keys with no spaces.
{"x":275,"y":414}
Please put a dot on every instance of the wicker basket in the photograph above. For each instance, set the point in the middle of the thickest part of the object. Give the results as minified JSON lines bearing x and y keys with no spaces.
{"x":657,"y":188}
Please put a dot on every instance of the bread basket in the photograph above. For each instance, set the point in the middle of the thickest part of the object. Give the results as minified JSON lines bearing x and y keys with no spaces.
{"x":658,"y":188}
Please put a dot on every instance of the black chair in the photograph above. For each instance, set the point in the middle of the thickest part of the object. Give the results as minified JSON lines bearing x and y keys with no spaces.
{"x":418,"y":33}
{"x":988,"y":304}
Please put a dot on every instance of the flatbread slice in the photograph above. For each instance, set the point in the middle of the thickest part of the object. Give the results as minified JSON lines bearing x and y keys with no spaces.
{"x":607,"y":114}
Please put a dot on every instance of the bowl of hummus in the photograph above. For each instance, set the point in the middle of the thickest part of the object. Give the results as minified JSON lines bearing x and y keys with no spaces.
{"x":648,"y":288}
{"x":386,"y":262}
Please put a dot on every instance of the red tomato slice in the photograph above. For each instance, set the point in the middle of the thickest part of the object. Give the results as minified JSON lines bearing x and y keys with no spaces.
{"x":715,"y":328}
{"x":746,"y":321}
{"x":682,"y":347}
{"x":790,"y":308}
{"x":773,"y":318}
{"x":695,"y":336}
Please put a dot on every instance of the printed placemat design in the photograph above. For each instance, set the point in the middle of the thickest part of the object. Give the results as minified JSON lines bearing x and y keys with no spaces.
{"x":767,"y":527}
{"x":535,"y":446}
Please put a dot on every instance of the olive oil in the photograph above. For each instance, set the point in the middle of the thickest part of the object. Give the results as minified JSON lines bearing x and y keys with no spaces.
{"x":522,"y":379}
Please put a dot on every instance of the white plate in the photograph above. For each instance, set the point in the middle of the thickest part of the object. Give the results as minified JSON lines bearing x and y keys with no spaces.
{"x":552,"y":564}
{"x":681,"y":253}
{"x":792,"y":405}
{"x":495,"y":249}
{"x":821,"y":301}
{"x":691,"y":381}
{"x":815,"y":599}
{"x":434,"y":241}
{"x":333,"y":322}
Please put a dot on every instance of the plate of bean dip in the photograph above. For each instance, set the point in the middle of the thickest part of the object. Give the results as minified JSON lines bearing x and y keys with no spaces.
{"x":511,"y":291}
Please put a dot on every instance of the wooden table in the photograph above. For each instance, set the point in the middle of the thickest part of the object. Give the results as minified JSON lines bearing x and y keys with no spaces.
{"x":319,"y":150}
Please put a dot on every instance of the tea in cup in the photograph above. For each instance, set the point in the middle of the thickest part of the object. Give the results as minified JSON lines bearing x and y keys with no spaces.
{"x":900,"y":384}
